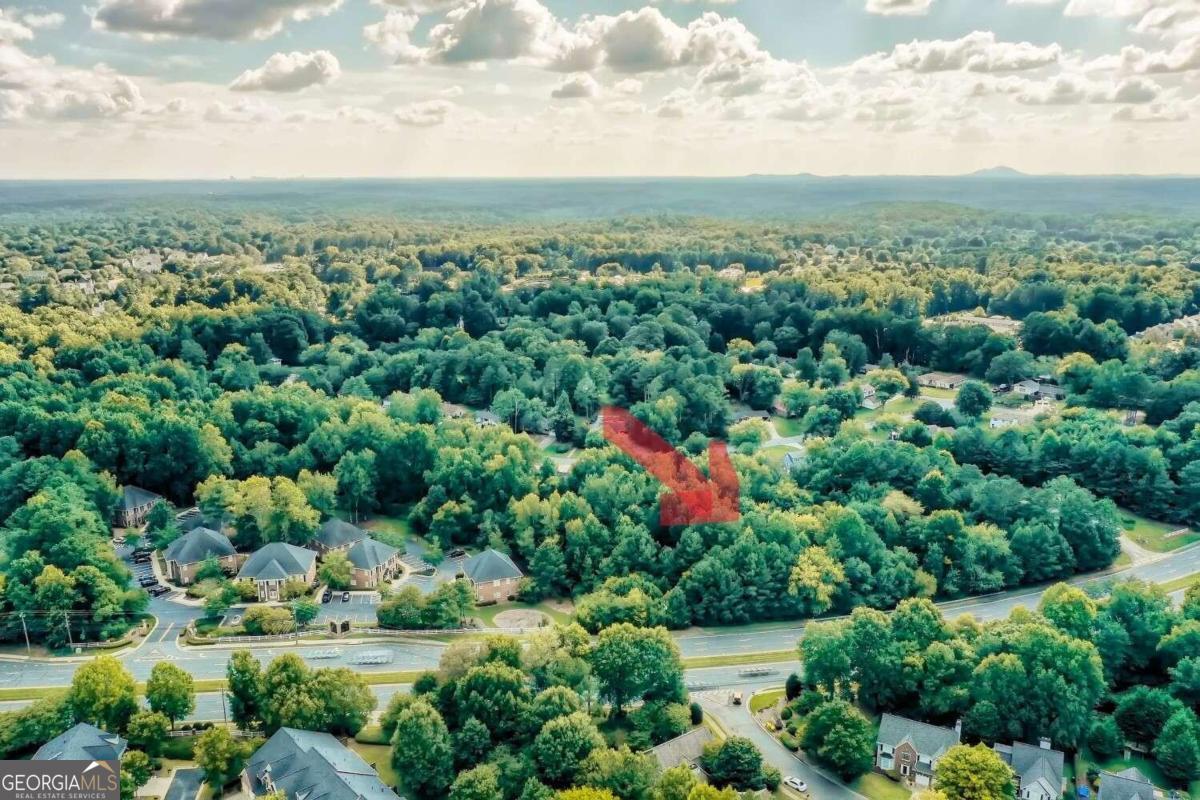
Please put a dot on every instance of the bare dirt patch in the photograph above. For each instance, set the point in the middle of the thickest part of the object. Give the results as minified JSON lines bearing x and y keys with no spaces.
{"x":519,"y":618}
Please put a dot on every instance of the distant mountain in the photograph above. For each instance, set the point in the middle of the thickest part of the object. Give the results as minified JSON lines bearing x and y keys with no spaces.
{"x":998,"y":172}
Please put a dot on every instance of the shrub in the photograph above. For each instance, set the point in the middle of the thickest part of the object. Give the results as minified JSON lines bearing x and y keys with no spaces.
{"x":697,"y":713}
{"x":269,"y":620}
{"x":807,"y":702}
{"x":786,"y":713}
{"x":789,"y":741}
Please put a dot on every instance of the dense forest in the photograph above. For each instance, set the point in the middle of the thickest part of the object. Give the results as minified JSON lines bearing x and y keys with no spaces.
{"x":277,"y":368}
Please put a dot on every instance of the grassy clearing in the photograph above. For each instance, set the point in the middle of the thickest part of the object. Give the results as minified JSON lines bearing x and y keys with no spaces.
{"x":488,"y":613}
{"x":1153,"y":535}
{"x":880,"y":787}
{"x":764,"y":700}
{"x":775,"y":453}
{"x":736,"y":659}
{"x":394,"y":531}
{"x":788,"y":426}
{"x":1181,"y":583}
{"x":379,"y":756}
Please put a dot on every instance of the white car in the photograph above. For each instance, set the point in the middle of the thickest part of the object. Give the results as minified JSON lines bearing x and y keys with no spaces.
{"x":796,"y":783}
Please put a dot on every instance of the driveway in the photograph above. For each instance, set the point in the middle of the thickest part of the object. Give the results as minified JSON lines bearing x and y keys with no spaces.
{"x":738,"y":722}
{"x":185,"y":784}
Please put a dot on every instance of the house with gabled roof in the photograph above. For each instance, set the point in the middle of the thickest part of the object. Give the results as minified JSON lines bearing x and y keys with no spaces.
{"x":185,"y":555}
{"x":908,"y":751}
{"x":494,"y":575}
{"x":273,"y":565}
{"x":1038,"y":770}
{"x":311,"y":765}
{"x":336,"y":534}
{"x":83,"y":742}
{"x":136,"y":503}
{"x":686,"y":749}
{"x":372,"y":563}
{"x":1128,"y":784}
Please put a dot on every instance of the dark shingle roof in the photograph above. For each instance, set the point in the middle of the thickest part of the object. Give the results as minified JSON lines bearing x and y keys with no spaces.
{"x":276,"y":561}
{"x":84,"y":742}
{"x":1034,"y":765}
{"x":337,"y":533}
{"x":307,"y":765}
{"x":1128,"y":784}
{"x":928,"y":740}
{"x":135,"y":497}
{"x":367,"y":553}
{"x":197,"y":545}
{"x":490,"y":565}
{"x":194,"y":518}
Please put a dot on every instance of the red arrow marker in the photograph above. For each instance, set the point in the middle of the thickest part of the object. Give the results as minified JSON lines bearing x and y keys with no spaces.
{"x":694,"y":499}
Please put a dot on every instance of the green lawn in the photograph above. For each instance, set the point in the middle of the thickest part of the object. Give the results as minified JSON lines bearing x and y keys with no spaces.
{"x":896,"y":407}
{"x":765,"y":700}
{"x":488,"y":613}
{"x":1145,"y":766}
{"x":1181,"y":583}
{"x":775,"y":453}
{"x":1153,"y":535}
{"x":734,"y":659}
{"x":378,"y":756}
{"x":880,"y":787}
{"x":787,"y":426}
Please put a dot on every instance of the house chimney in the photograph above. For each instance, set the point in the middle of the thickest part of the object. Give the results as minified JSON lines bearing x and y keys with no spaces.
{"x":1044,"y":743}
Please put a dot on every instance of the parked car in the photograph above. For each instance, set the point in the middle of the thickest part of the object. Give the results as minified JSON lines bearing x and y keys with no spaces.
{"x":345,"y":597}
{"x":142,"y":557}
{"x":149,"y":580}
{"x":457,"y":552}
{"x":160,"y":590}
{"x":326,"y":596}
{"x":118,"y":540}
{"x":737,"y":698}
{"x":795,"y":783}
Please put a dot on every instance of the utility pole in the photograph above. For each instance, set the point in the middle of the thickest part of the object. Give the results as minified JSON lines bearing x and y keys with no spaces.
{"x":24,"y":627}
{"x":224,"y":713}
{"x":67,"y":622}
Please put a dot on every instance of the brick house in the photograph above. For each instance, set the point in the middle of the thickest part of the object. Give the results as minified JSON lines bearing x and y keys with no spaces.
{"x":185,"y":555}
{"x":494,"y":575}
{"x":372,"y":563}
{"x":273,"y":565}
{"x":83,"y":742}
{"x":311,"y":765}
{"x":336,"y":534}
{"x":136,"y":503}
{"x":908,"y":751}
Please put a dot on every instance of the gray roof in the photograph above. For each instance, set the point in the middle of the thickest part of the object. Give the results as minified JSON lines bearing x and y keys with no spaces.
{"x":338,"y":533}
{"x":194,"y":518}
{"x":490,"y":565}
{"x":1128,"y":784}
{"x":684,"y":749}
{"x":367,"y":553}
{"x":135,"y":497}
{"x":277,"y":561}
{"x":308,"y":765}
{"x":84,"y":742}
{"x":1034,"y":765}
{"x":930,"y":741}
{"x":197,"y":545}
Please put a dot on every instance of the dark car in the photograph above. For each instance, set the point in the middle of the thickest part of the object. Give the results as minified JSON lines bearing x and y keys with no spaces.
{"x":160,"y":590}
{"x":457,"y":552}
{"x":149,"y":580}
{"x":141,"y":558}
{"x":327,"y":596}
{"x":345,"y":597}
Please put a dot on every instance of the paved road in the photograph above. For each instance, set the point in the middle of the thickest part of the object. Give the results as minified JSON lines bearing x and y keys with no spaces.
{"x":737,"y":721}
{"x":185,"y":784}
{"x":210,"y":662}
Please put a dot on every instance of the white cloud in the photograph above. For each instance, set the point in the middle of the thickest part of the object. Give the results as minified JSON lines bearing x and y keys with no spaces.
{"x":899,"y":7}
{"x":628,"y":86}
{"x":43,"y":21}
{"x":424,"y":114}
{"x":13,"y":29}
{"x":576,"y":86}
{"x":419,"y":6}
{"x":289,"y":72}
{"x":1168,"y":19}
{"x":1183,"y":57}
{"x":225,"y":20}
{"x":1156,"y":112}
{"x":1070,"y":89}
{"x":978,"y":51}
{"x":391,"y":35}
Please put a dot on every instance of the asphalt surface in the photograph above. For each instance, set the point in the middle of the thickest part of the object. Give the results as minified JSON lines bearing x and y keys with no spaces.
{"x":209,"y":662}
{"x":185,"y":784}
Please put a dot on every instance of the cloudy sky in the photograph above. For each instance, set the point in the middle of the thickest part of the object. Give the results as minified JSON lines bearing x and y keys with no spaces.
{"x":220,"y":88}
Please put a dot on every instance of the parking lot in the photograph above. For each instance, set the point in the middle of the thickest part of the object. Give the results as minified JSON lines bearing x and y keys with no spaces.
{"x":359,"y":608}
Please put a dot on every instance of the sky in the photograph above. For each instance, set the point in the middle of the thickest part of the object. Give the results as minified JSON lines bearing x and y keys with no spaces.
{"x":216,"y":89}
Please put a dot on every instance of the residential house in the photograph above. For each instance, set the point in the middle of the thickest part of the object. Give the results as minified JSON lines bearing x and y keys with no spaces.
{"x":1036,"y":390}
{"x":1002,"y":421}
{"x":686,"y":749}
{"x":941,"y":380}
{"x":185,"y":555}
{"x":311,"y":765}
{"x":494,"y":575}
{"x":275,"y":564}
{"x":83,"y":742}
{"x":136,"y":503}
{"x":336,"y":534}
{"x":908,"y":751}
{"x":1039,"y":770}
{"x":372,"y":563}
{"x":743,"y":414}
{"x":486,"y":419}
{"x":1128,"y":784}
{"x":870,"y":401}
